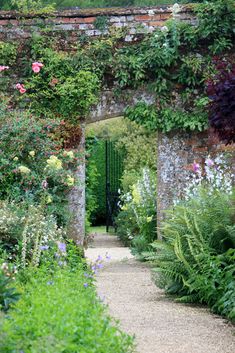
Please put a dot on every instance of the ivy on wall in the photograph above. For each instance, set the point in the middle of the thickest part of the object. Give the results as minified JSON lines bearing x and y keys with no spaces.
{"x":175,"y":62}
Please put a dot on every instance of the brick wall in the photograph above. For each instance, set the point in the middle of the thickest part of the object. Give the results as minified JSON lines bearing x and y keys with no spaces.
{"x":86,"y":22}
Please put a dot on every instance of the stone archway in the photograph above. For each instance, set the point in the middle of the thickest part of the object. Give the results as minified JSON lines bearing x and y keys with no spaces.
{"x":176,"y":153}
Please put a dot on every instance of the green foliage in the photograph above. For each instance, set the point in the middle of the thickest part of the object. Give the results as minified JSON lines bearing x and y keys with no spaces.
{"x":8,"y":53}
{"x":4,"y":4}
{"x":76,"y":320}
{"x":24,"y":230}
{"x":101,"y":23}
{"x":216,"y":20}
{"x":172,"y":60}
{"x":8,"y":294}
{"x":168,"y":118}
{"x":97,"y":165}
{"x":61,"y":89}
{"x":136,"y":222}
{"x":196,"y":260}
{"x":35,"y":6}
{"x":92,"y":181}
{"x":34,"y":166}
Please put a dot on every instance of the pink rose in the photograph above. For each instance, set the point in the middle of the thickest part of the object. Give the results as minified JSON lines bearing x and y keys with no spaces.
{"x":36,"y":67}
{"x":20,"y":88}
{"x":3,"y":68}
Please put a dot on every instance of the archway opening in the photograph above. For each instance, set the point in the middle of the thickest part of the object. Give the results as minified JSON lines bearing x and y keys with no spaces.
{"x":121,"y":180}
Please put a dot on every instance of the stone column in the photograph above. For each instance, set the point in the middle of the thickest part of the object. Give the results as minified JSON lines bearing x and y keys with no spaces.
{"x":176,"y":153}
{"x":77,"y":197}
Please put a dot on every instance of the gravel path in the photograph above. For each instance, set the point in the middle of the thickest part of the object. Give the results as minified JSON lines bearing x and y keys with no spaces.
{"x":159,"y":324}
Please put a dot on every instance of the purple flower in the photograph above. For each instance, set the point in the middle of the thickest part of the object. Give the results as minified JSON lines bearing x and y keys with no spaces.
{"x":44,"y":247}
{"x":100,"y":266}
{"x":93,"y":267}
{"x":108,"y":257}
{"x":85,"y":285}
{"x":50,"y":283}
{"x":99,"y":258}
{"x":209,"y":162}
{"x":196,"y":167}
{"x":86,"y":275}
{"x":62,"y":247}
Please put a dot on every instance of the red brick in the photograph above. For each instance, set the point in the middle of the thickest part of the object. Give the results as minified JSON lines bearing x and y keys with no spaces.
{"x":143,"y":18}
{"x":66,"y":20}
{"x":165,"y":16}
{"x":156,"y":17}
{"x":156,"y":23}
{"x":200,"y":149}
{"x":4,"y":22}
{"x":89,"y":19}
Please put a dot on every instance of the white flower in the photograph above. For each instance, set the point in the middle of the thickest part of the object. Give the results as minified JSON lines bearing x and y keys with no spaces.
{"x":32,"y":153}
{"x":24,"y":170}
{"x":69,"y":154}
{"x":165,"y":29}
{"x":54,"y":163}
{"x":151,"y":12}
{"x":175,"y":9}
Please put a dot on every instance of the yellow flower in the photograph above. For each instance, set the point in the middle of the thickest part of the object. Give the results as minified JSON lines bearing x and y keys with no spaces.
{"x":24,"y":170}
{"x":49,"y":199}
{"x":124,"y":208}
{"x":32,"y":153}
{"x":70,"y":181}
{"x":54,"y":163}
{"x":69,"y":154}
{"x":149,"y":219}
{"x":136,"y":195}
{"x":15,"y":159}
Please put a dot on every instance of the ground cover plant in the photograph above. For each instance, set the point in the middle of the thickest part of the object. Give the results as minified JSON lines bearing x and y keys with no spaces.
{"x":60,"y":311}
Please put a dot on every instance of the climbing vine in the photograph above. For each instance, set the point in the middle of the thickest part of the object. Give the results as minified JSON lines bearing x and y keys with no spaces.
{"x":175,"y":61}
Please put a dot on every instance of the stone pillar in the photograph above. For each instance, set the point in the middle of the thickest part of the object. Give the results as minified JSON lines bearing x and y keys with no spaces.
{"x":176,"y":154}
{"x":77,"y":197}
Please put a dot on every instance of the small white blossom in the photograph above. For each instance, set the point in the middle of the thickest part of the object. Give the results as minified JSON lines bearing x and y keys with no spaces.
{"x":176,"y":9}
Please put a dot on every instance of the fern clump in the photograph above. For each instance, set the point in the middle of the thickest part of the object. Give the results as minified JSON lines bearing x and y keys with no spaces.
{"x":197,"y":259}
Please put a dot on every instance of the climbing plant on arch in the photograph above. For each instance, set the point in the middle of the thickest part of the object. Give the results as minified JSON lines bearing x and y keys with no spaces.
{"x":174,"y":61}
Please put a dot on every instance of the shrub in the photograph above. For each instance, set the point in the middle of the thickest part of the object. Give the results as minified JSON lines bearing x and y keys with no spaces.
{"x":60,"y":312}
{"x":25,"y":231}
{"x":137,"y":220}
{"x":221,"y":92}
{"x":34,"y":165}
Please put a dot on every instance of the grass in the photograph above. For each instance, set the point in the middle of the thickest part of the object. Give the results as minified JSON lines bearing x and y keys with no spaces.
{"x":100,"y":230}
